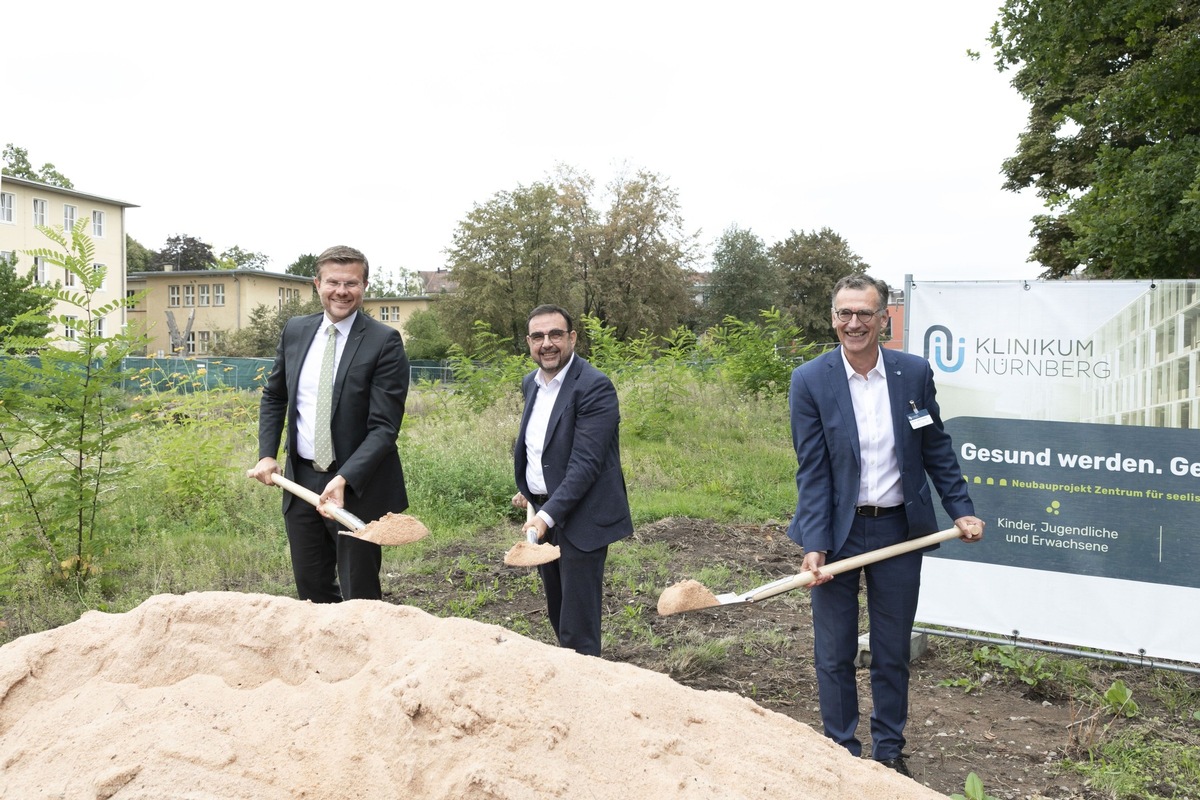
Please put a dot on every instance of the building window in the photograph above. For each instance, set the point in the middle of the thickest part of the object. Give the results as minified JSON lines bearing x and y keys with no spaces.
{"x":218,"y":294}
{"x":69,"y":326}
{"x":39,"y":271}
{"x":69,"y":279}
{"x":205,"y":294}
{"x":69,"y":218}
{"x":191,"y":343}
{"x":385,"y":314}
{"x":173,"y":295}
{"x":189,"y":295}
{"x":7,"y":202}
{"x":5,"y":255}
{"x":100,"y":273}
{"x":205,"y":340}
{"x":97,"y":223}
{"x":39,"y":213}
{"x":98,"y":326}
{"x":395,"y":313}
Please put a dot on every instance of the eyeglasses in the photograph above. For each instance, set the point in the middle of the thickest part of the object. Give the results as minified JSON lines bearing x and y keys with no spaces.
{"x":349,"y":286}
{"x":864,"y":315}
{"x":555,"y":336}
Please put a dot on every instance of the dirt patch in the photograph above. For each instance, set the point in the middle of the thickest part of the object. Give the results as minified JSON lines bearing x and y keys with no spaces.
{"x":1010,"y":735}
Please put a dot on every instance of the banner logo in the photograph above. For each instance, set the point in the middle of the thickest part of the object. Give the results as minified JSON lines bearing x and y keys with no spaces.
{"x":940,"y":349}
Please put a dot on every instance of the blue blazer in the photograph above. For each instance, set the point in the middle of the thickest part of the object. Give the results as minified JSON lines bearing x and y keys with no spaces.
{"x":827,"y":450}
{"x":581,"y":459}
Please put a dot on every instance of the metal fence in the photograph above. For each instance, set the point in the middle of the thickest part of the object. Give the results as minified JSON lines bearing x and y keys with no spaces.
{"x":202,"y":374}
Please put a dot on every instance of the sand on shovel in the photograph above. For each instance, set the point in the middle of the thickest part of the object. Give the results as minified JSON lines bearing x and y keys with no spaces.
{"x":686,"y":595}
{"x":391,"y":529}
{"x":527,"y":554}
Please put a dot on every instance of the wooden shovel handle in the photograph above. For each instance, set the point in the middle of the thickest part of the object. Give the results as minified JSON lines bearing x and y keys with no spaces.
{"x":853,"y":562}
{"x":340,"y":514}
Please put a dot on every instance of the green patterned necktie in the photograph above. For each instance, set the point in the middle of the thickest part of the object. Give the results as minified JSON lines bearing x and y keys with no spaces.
{"x":322,"y":435}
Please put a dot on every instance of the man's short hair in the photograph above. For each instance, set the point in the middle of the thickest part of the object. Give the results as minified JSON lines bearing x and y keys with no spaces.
{"x":860,"y":282}
{"x":547,"y":308}
{"x":341,"y":254}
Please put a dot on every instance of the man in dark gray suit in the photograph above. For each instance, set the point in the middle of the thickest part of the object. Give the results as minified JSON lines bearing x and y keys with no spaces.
{"x":567,"y":463}
{"x":353,"y":464}
{"x":869,"y":439}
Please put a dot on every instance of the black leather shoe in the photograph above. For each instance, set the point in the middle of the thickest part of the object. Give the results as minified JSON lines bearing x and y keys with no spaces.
{"x":898,"y":765}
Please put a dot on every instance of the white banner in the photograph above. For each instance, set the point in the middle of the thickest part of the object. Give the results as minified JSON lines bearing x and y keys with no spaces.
{"x":1073,"y":407}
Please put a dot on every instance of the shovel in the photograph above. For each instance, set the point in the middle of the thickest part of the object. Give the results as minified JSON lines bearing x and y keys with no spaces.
{"x":389,"y":530}
{"x":690,"y":595}
{"x":528,"y":552}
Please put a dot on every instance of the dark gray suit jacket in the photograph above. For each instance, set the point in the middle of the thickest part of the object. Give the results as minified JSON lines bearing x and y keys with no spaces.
{"x":369,"y":391}
{"x":581,"y":459}
{"x":825,"y":436}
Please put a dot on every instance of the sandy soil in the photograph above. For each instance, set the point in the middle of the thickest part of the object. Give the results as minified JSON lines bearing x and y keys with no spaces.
{"x":222,"y":695}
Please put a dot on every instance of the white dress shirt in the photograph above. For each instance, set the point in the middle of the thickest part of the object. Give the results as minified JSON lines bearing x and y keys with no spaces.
{"x":879,"y":468}
{"x":306,"y":387}
{"x":535,"y":431}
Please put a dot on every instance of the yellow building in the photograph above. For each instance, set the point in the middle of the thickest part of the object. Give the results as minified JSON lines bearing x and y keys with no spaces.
{"x":183,"y":311}
{"x":25,"y":205}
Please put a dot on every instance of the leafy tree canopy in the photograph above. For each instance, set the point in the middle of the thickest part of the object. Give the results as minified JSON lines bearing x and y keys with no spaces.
{"x":184,"y":253}
{"x":137,"y":257}
{"x":16,"y":163}
{"x":1113,"y":141}
{"x":398,"y":283}
{"x":17,"y":296}
{"x":237,"y":258}
{"x":744,"y":280}
{"x":425,"y":337}
{"x":260,"y":338}
{"x":305,"y":265}
{"x":811,"y":265}
{"x":620,"y":255}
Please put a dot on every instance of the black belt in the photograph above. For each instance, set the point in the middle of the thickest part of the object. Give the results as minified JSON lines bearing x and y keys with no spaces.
{"x":539,"y":499}
{"x":309,"y":463}
{"x":876,"y":511}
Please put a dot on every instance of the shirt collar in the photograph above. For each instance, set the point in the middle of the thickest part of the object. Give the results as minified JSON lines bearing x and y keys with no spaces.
{"x":557,"y":379}
{"x":343,"y":327}
{"x":875,"y":370}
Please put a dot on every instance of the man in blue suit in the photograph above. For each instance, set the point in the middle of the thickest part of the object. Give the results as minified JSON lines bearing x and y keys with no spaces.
{"x":361,"y":471}
{"x":869,"y":439}
{"x":567,"y":462}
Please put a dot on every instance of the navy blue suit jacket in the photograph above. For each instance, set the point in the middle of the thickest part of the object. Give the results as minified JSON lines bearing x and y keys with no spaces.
{"x":369,"y":392}
{"x":825,"y":436}
{"x":581,"y":460}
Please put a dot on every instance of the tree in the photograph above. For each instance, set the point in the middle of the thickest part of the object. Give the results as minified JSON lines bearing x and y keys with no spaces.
{"x":810,"y":265}
{"x":305,"y":265}
{"x":1113,"y":141}
{"x":237,"y":258}
{"x":744,"y":279}
{"x":426,"y":339}
{"x":63,"y":413}
{"x":184,"y":253}
{"x":260,"y":338}
{"x":137,"y":257}
{"x":508,"y":256}
{"x":403,"y":283}
{"x":548,"y":243}
{"x":632,"y":259}
{"x":16,"y":163}
{"x":23,"y":312}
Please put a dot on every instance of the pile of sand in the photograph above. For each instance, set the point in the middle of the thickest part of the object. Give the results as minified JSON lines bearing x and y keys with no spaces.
{"x":224,"y":695}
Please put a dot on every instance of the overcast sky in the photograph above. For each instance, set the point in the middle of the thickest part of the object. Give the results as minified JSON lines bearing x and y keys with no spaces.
{"x":284,"y":128}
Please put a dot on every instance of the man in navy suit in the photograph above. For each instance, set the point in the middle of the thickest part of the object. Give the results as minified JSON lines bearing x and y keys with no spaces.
{"x":567,"y":463}
{"x":869,"y":439}
{"x":369,"y":387}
